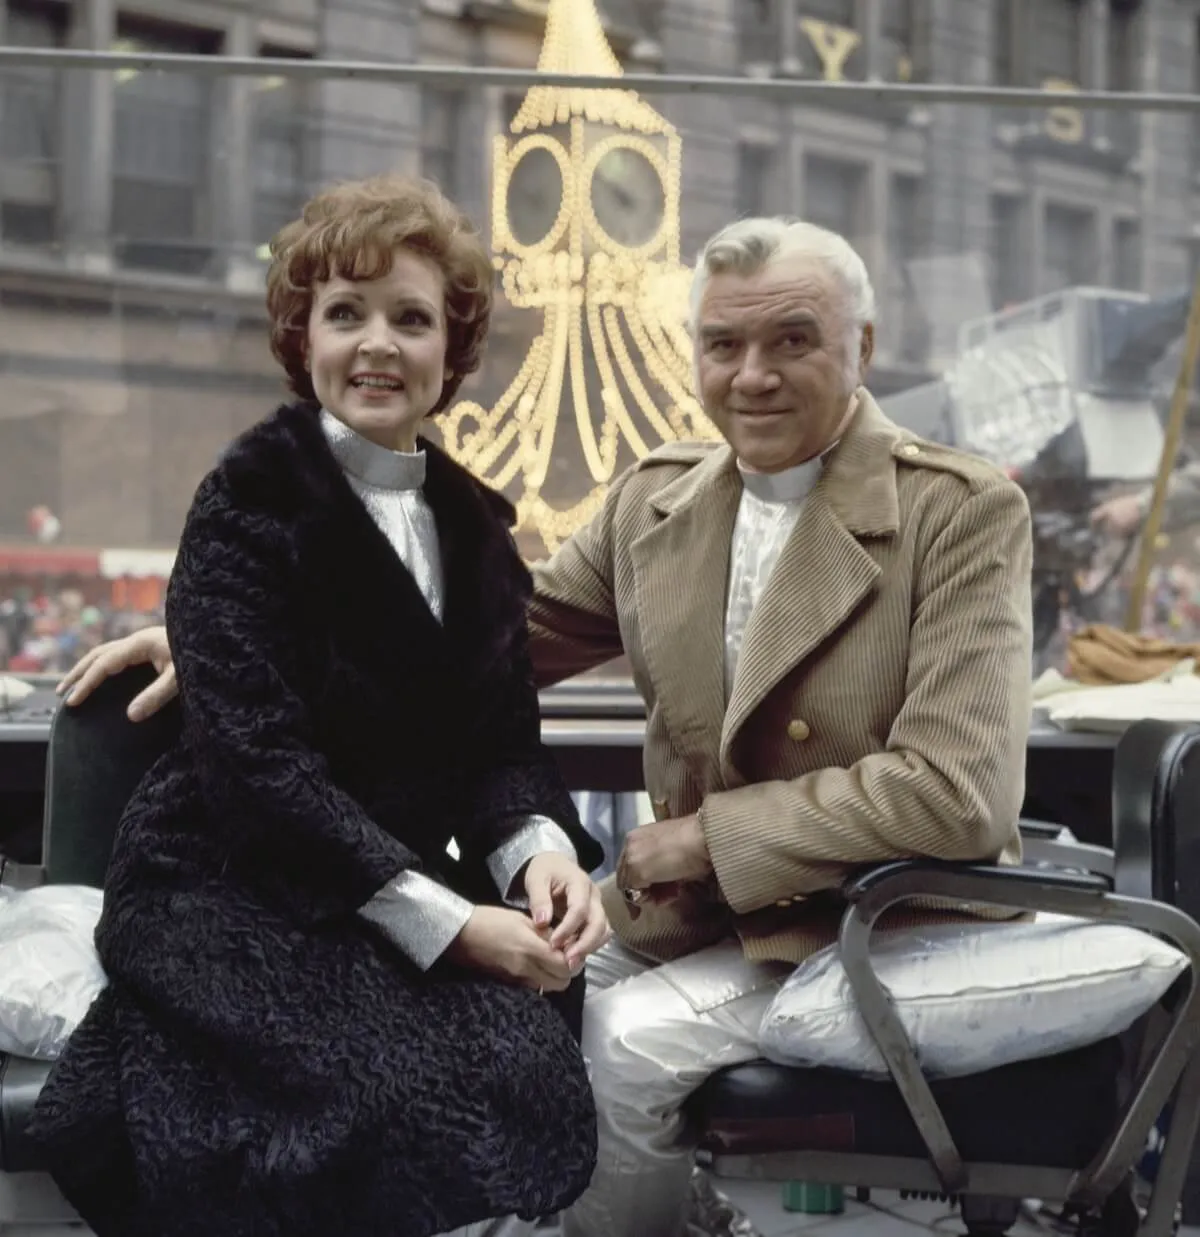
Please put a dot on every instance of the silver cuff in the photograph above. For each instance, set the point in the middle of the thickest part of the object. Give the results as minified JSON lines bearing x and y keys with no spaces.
{"x":418,"y":915}
{"x":537,"y":836}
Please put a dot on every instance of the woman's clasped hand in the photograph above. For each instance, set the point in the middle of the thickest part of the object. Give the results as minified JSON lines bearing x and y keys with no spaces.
{"x":546,"y":948}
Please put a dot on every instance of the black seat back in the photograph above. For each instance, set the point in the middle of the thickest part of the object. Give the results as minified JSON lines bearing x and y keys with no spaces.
{"x":1156,"y":837}
{"x":96,"y":759}
{"x":1156,"y":813}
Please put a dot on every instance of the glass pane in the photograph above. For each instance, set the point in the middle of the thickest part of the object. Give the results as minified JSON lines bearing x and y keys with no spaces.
{"x":754,"y":176}
{"x":31,"y":133}
{"x":441,"y":124}
{"x":1070,"y":247}
{"x":840,"y":12}
{"x":758,"y":31}
{"x":163,"y":137}
{"x":30,"y":129}
{"x":833,"y":194}
{"x":1027,"y":262}
{"x":1057,"y":47}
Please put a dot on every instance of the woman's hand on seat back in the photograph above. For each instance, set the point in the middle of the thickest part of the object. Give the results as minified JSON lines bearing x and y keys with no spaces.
{"x":147,"y":645}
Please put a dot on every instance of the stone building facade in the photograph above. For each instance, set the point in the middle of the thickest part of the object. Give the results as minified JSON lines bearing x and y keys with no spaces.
{"x":133,"y":206}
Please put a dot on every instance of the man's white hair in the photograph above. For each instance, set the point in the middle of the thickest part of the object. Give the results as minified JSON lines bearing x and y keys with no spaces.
{"x":749,"y":245}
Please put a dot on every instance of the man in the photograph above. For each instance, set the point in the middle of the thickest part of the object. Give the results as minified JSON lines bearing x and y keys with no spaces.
{"x":829,"y":622}
{"x":1123,"y":515}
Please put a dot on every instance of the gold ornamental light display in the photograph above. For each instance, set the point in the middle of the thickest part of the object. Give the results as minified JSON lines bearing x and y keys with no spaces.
{"x":585,"y":226}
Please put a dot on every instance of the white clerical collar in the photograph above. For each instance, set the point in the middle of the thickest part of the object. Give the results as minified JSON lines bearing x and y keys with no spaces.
{"x":791,"y":485}
{"x":370,"y":463}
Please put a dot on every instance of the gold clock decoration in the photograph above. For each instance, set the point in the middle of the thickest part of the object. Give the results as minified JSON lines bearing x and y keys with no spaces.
{"x":626,"y":195}
{"x":585,"y":226}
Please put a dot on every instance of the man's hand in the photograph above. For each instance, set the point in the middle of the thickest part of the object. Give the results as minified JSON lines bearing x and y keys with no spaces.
{"x":562,"y":890}
{"x":105,"y":660}
{"x":664,"y":853}
{"x":1118,"y":517}
{"x":507,"y":946}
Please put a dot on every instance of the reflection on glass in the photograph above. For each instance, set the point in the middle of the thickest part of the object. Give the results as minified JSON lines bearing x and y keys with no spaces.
{"x":161,"y":173}
{"x":535,"y":189}
{"x":135,"y":207}
{"x":30,"y":135}
{"x":280,"y":142}
{"x":628,"y":196}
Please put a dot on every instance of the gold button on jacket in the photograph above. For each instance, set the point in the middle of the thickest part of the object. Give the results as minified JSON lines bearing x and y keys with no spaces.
{"x":798,"y":729}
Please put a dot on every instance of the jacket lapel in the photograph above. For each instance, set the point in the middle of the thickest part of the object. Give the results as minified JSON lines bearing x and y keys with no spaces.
{"x":487,"y":586}
{"x":824,"y":572}
{"x":681,"y":568}
{"x":360,"y":572}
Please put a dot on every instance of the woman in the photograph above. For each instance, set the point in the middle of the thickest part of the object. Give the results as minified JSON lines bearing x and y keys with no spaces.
{"x":317,"y":1023}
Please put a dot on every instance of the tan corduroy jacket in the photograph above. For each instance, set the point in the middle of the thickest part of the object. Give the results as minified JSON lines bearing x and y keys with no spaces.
{"x":882,"y":699}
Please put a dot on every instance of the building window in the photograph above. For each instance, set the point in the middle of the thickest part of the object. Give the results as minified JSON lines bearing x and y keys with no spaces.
{"x":904,"y":234}
{"x":907,"y":328}
{"x":898,"y":24}
{"x":1005,"y":24}
{"x":1005,"y":258}
{"x":162,"y":154}
{"x":1123,"y":47}
{"x":758,"y":32}
{"x":1069,"y":248}
{"x":643,"y":16}
{"x":281,"y":155}
{"x":833,"y":195}
{"x":755,"y":172}
{"x":837,"y":12}
{"x":30,"y":120}
{"x":441,"y":136}
{"x":1127,"y":255}
{"x":1057,"y":45}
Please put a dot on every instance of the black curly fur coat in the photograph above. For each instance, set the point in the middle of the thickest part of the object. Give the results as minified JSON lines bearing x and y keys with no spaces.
{"x":262,"y":1064}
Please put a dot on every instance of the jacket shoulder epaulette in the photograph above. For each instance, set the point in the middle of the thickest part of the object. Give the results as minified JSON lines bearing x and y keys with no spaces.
{"x":977,"y":472}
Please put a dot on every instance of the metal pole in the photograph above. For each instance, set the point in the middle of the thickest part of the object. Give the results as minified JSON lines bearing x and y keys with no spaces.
{"x":1166,"y":463}
{"x":779,"y":90}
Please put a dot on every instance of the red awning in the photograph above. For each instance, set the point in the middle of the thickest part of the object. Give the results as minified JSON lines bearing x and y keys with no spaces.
{"x":37,"y":560}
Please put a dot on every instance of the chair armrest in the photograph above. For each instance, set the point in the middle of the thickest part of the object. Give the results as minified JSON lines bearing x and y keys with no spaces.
{"x":1085,"y":896}
{"x":1016,"y":888}
{"x":1038,"y":829}
{"x":1043,"y":842}
{"x":1073,"y":856}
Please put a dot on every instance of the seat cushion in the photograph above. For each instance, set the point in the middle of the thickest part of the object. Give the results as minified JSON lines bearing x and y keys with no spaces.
{"x":20,"y":1084}
{"x":1054,"y":1112}
{"x":975,"y":996}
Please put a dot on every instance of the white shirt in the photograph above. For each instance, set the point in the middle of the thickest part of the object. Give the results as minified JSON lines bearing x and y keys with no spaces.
{"x":767,"y":513}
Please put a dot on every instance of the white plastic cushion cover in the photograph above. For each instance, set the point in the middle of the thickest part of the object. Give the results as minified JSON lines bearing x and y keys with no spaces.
{"x":49,"y":971}
{"x":973,"y":997}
